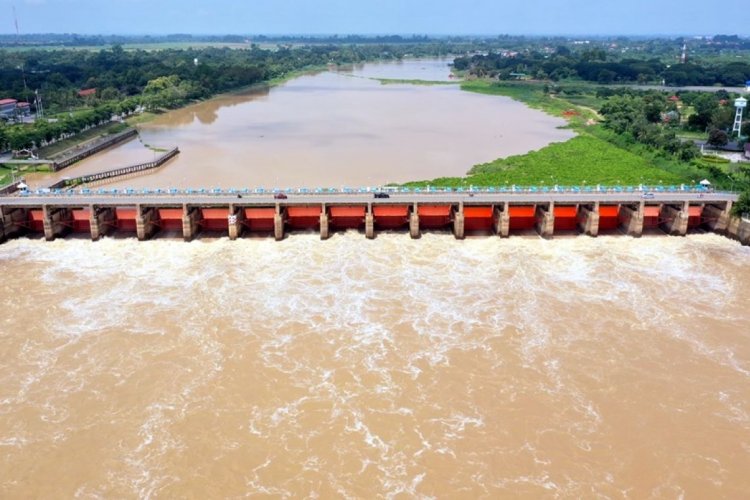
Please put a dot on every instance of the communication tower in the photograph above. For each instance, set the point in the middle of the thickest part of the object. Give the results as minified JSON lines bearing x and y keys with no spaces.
{"x":38,"y":104}
{"x":18,"y":40}
{"x":739,"y":103}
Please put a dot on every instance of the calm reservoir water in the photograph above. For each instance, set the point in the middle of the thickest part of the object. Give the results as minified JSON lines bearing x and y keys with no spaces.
{"x":333,"y":129}
{"x":488,"y":368}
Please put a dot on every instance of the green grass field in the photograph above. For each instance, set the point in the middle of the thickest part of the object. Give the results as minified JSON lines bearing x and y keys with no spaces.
{"x":583,"y":160}
{"x":6,"y":171}
{"x":5,"y":175}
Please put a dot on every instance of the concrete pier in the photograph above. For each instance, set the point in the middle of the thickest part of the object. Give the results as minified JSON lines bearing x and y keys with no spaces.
{"x":458,"y":222}
{"x":235,"y":221}
{"x":369,"y":223}
{"x":49,"y":232}
{"x":278,"y":224}
{"x":190,"y":219}
{"x":102,"y":219}
{"x":675,"y":219}
{"x":632,"y":219}
{"x":57,"y":222}
{"x":545,"y":220}
{"x":739,"y":229}
{"x":95,"y":227}
{"x":324,"y":232}
{"x":13,"y":222}
{"x":414,"y":223}
{"x":717,"y":218}
{"x":501,"y":221}
{"x":588,"y":221}
{"x":145,"y":222}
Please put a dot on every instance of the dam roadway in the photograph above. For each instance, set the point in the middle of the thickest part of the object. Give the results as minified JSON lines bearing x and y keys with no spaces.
{"x":470,"y":212}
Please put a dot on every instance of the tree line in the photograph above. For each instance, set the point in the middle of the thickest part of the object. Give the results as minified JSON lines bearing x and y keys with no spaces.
{"x":594,"y":64}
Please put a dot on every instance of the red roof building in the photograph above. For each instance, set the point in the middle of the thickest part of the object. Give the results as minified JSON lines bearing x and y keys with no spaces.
{"x":7,"y":108}
{"x":86,"y":92}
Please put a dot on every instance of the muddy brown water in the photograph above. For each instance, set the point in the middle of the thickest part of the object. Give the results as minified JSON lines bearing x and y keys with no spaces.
{"x":332,"y":129}
{"x":577,"y":367}
{"x":488,"y":368}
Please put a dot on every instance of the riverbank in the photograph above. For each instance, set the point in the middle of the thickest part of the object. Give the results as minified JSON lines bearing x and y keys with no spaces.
{"x":69,"y":146}
{"x":8,"y":172}
{"x":344,"y":130}
{"x":595,"y":156}
{"x":149,"y":116}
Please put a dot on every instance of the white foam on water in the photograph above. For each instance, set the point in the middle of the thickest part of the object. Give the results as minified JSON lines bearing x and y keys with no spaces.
{"x":350,"y":326}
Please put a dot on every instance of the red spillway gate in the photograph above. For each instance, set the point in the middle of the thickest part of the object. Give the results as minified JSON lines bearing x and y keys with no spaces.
{"x":125,"y":219}
{"x":391,"y":216}
{"x":36,"y":221}
{"x":260,"y":219}
{"x":694,"y":216}
{"x":171,"y":219}
{"x":81,"y":220}
{"x":609,"y":217}
{"x":651,"y":216}
{"x":215,"y":219}
{"x":478,"y":218}
{"x":522,"y":216}
{"x":434,"y":216}
{"x":347,"y":216}
{"x":566,"y":218}
{"x":303,"y":217}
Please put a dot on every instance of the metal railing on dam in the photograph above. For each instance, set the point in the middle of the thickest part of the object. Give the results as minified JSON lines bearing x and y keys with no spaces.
{"x":234,"y":213}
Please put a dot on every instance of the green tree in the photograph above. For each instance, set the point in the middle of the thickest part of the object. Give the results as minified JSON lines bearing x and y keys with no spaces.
{"x":717,"y":137}
{"x":742,"y":205}
{"x":705,"y":105}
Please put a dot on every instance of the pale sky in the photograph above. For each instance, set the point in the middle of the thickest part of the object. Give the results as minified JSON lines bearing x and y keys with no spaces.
{"x":533,"y":17}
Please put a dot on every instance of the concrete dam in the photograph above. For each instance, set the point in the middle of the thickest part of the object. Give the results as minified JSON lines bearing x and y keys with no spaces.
{"x":187,"y":215}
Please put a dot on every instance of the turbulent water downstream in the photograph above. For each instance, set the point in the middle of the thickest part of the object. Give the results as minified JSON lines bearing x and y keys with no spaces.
{"x":484,"y":368}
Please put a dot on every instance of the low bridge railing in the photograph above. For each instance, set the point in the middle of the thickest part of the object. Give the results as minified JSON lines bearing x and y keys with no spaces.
{"x":109,"y":142}
{"x":59,"y":189}
{"x":118,"y":172}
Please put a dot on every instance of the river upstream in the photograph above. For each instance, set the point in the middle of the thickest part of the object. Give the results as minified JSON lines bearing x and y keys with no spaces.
{"x":332,"y":129}
{"x":485,"y":368}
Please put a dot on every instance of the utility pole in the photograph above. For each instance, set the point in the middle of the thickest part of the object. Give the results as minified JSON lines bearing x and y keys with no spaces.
{"x":18,"y":40}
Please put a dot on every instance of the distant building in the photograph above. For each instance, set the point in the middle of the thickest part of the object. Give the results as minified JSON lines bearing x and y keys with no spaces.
{"x":8,"y":108}
{"x":86,"y":92}
{"x":747,"y":150}
{"x":23,"y":109}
